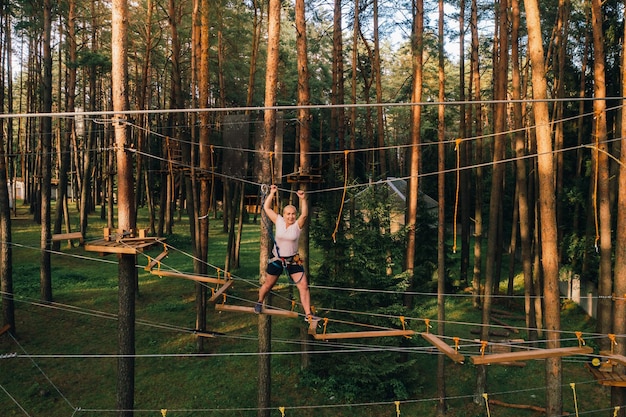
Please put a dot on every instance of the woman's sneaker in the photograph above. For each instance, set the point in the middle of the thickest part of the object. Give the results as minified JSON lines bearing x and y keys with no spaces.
{"x":258,"y":307}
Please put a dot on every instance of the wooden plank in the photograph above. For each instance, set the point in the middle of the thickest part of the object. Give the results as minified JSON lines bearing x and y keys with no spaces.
{"x":530,"y":354}
{"x":266,"y":310}
{"x":200,"y":278}
{"x":5,"y":329}
{"x":358,"y":335}
{"x":68,"y":236}
{"x":609,"y":379}
{"x":156,"y":260}
{"x":217,"y":294}
{"x":108,"y":246}
{"x":443,"y":347}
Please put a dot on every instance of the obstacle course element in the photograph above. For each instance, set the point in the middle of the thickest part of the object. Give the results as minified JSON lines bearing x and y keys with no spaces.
{"x":69,"y":236}
{"x":357,"y":335}
{"x":604,"y":368}
{"x":122,"y":242}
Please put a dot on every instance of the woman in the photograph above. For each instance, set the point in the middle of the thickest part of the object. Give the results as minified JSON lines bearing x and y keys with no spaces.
{"x":285,"y":251}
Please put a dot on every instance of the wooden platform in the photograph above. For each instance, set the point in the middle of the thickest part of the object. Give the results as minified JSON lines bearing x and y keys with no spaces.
{"x":609,"y":379}
{"x":444,"y":347}
{"x":530,"y":354}
{"x":192,"y":277}
{"x":266,"y":310}
{"x":130,"y":246}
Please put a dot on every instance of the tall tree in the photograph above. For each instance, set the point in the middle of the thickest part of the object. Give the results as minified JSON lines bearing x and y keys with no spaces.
{"x":70,"y":106}
{"x":618,"y":394}
{"x":125,"y":210}
{"x":204,"y":153}
{"x":380,"y":124}
{"x":601,"y":199}
{"x":46,"y":156}
{"x":417,"y":49}
{"x":269,"y":133}
{"x":521,"y":171}
{"x":478,"y":156}
{"x":547,"y":208}
{"x":6,"y":255}
{"x":441,"y":215}
{"x":337,"y":118}
{"x":497,"y":178}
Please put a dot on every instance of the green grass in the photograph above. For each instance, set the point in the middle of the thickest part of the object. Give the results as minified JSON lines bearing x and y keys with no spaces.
{"x":81,"y":322}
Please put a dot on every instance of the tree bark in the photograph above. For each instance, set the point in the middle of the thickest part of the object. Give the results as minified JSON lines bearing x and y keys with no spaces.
{"x":46,"y":157}
{"x":125,"y":211}
{"x":602,"y":209}
{"x":304,"y":139}
{"x":618,"y":394}
{"x":524,"y":213}
{"x":269,"y":129}
{"x":547,"y":209}
{"x":6,"y":251}
{"x":417,"y":48}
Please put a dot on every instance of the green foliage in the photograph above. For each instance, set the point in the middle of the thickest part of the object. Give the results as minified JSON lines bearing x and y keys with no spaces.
{"x":361,"y":256}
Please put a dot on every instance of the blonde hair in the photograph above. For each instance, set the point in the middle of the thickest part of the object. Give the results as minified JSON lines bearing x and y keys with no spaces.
{"x":289,"y":206}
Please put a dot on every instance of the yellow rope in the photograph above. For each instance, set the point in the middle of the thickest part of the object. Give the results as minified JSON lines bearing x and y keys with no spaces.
{"x":458,"y":185}
{"x":573,"y":385}
{"x":397,"y":408}
{"x":616,"y":410}
{"x":486,"y":397}
{"x":282,"y":411}
{"x":343,"y":197}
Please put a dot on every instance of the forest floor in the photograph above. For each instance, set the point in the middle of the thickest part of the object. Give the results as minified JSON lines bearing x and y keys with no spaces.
{"x":63,"y":363}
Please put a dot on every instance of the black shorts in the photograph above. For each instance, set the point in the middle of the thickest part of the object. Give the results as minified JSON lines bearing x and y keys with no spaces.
{"x":276,"y":268}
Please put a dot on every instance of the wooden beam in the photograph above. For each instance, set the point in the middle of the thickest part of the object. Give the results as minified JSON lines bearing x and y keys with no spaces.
{"x":443,"y":347}
{"x":266,"y":310}
{"x":200,"y":278}
{"x":217,"y":294}
{"x":156,"y":260}
{"x":68,"y":236}
{"x":621,"y":359}
{"x":357,"y":335}
{"x":530,"y":354}
{"x":5,"y":329}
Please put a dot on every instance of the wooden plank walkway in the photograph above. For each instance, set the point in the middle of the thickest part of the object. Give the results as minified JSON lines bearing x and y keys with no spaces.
{"x":530,"y":354}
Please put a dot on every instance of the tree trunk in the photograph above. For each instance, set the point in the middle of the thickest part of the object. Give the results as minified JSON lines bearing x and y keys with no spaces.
{"x":6,"y":251}
{"x":205,"y":165}
{"x":269,"y":127}
{"x":547,"y":209}
{"x":478,"y":160}
{"x":64,"y":148}
{"x":618,"y":394}
{"x":380,"y":123}
{"x":304,"y":123}
{"x":46,"y":158}
{"x":601,"y":174}
{"x":441,"y":217}
{"x":521,"y":173}
{"x":337,"y":128}
{"x":125,"y":212}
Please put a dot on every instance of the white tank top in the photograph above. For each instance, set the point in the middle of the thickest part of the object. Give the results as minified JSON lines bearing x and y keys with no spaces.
{"x":286,"y":238}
